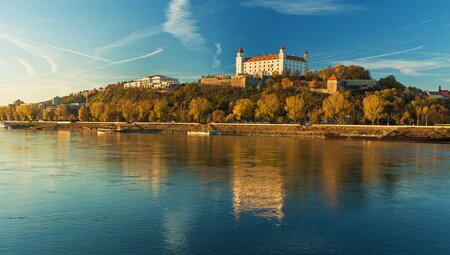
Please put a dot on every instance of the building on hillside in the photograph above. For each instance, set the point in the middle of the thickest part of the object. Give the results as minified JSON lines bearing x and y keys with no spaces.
{"x":334,"y":85}
{"x":240,"y":81}
{"x":56,"y":100}
{"x":157,"y":82}
{"x":440,"y":94}
{"x":267,"y":65}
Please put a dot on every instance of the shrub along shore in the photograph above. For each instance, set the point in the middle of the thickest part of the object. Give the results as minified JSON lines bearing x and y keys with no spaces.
{"x":401,"y":133}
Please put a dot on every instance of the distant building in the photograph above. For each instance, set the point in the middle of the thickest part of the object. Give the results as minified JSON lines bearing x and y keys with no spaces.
{"x":335,"y":85}
{"x":440,"y":94}
{"x":157,"y":82}
{"x":267,"y":65}
{"x":56,"y":100}
{"x":240,"y":81}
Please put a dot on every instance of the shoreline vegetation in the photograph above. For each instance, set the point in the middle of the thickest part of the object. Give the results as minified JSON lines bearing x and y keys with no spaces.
{"x":400,"y":112}
{"x":434,"y":134}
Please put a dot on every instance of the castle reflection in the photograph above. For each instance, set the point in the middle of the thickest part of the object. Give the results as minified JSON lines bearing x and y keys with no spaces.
{"x":257,"y":183}
{"x":263,"y":172}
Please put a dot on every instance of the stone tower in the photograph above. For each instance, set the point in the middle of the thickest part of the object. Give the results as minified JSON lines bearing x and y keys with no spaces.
{"x":240,"y":62}
{"x":306,"y":57}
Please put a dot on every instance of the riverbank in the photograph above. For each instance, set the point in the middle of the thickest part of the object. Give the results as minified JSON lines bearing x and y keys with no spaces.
{"x":405,"y":133}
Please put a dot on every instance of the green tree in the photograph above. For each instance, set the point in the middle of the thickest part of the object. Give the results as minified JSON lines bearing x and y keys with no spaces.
{"x":244,"y":109}
{"x":268,"y":107}
{"x":373,"y":107}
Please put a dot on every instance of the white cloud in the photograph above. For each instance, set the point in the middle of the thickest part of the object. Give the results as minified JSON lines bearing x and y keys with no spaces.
{"x":394,"y":53}
{"x":52,"y":63}
{"x":418,"y":24}
{"x":159,"y":50}
{"x":216,"y":60}
{"x":131,"y":38}
{"x":182,"y":26}
{"x":28,"y":67}
{"x":406,"y":67}
{"x":25,"y":45}
{"x":304,"y":7}
{"x":32,"y":50}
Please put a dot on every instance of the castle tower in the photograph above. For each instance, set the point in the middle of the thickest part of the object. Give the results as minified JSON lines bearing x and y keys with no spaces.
{"x":282,"y":52}
{"x":332,"y":84}
{"x":306,"y":57}
{"x":240,"y":62}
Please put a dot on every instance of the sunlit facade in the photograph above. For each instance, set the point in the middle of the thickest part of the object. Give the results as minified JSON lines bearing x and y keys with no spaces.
{"x":267,"y":65}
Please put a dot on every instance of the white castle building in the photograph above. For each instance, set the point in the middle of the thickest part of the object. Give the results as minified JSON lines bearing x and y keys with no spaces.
{"x":266,"y":65}
{"x":154,"y":82}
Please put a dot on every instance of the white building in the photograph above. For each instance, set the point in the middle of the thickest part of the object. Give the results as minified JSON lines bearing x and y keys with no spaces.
{"x":267,"y":65}
{"x":154,"y":82}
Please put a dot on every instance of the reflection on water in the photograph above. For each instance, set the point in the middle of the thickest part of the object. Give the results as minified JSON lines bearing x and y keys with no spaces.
{"x":178,"y":194}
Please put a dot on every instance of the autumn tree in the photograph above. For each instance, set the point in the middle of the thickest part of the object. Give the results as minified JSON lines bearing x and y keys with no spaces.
{"x":295,"y":107}
{"x":373,"y":107}
{"x":340,"y":71}
{"x":335,"y":107}
{"x":244,"y":109}
{"x":286,"y":82}
{"x":83,"y":113}
{"x":130,"y":111}
{"x":48,"y":114}
{"x":314,"y":84}
{"x":325,"y":73}
{"x":199,"y":108}
{"x":161,"y":109}
{"x":109,"y":114}
{"x":357,"y":73}
{"x":97,"y":110}
{"x":145,"y":110}
{"x":309,"y":75}
{"x":218,"y":116}
{"x":268,"y":107}
{"x":61,"y":112}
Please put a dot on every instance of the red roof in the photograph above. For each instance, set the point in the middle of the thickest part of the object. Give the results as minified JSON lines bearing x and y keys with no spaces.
{"x":273,"y":57}
{"x":445,"y":93}
{"x":332,"y":78}
{"x":262,"y":58}
{"x":300,"y":59}
{"x":240,"y":50}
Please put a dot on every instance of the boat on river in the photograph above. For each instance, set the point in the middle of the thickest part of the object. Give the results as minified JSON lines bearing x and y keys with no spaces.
{"x":203,"y":133}
{"x":111,"y":130}
{"x":5,"y":125}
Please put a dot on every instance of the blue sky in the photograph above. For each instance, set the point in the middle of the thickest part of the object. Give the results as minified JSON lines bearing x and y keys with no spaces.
{"x":55,"y":47}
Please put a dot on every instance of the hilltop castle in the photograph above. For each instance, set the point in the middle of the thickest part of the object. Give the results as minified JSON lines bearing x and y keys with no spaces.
{"x":267,"y":65}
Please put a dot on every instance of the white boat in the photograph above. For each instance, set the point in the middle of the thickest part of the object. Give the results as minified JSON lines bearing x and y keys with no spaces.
{"x":203,"y":133}
{"x":104,"y":131}
{"x":4,"y":125}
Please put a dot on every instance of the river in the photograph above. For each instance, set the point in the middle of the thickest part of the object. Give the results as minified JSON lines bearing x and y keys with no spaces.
{"x":75,"y":193}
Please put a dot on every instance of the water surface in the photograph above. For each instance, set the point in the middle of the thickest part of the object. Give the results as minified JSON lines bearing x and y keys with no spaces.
{"x":73,"y":193}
